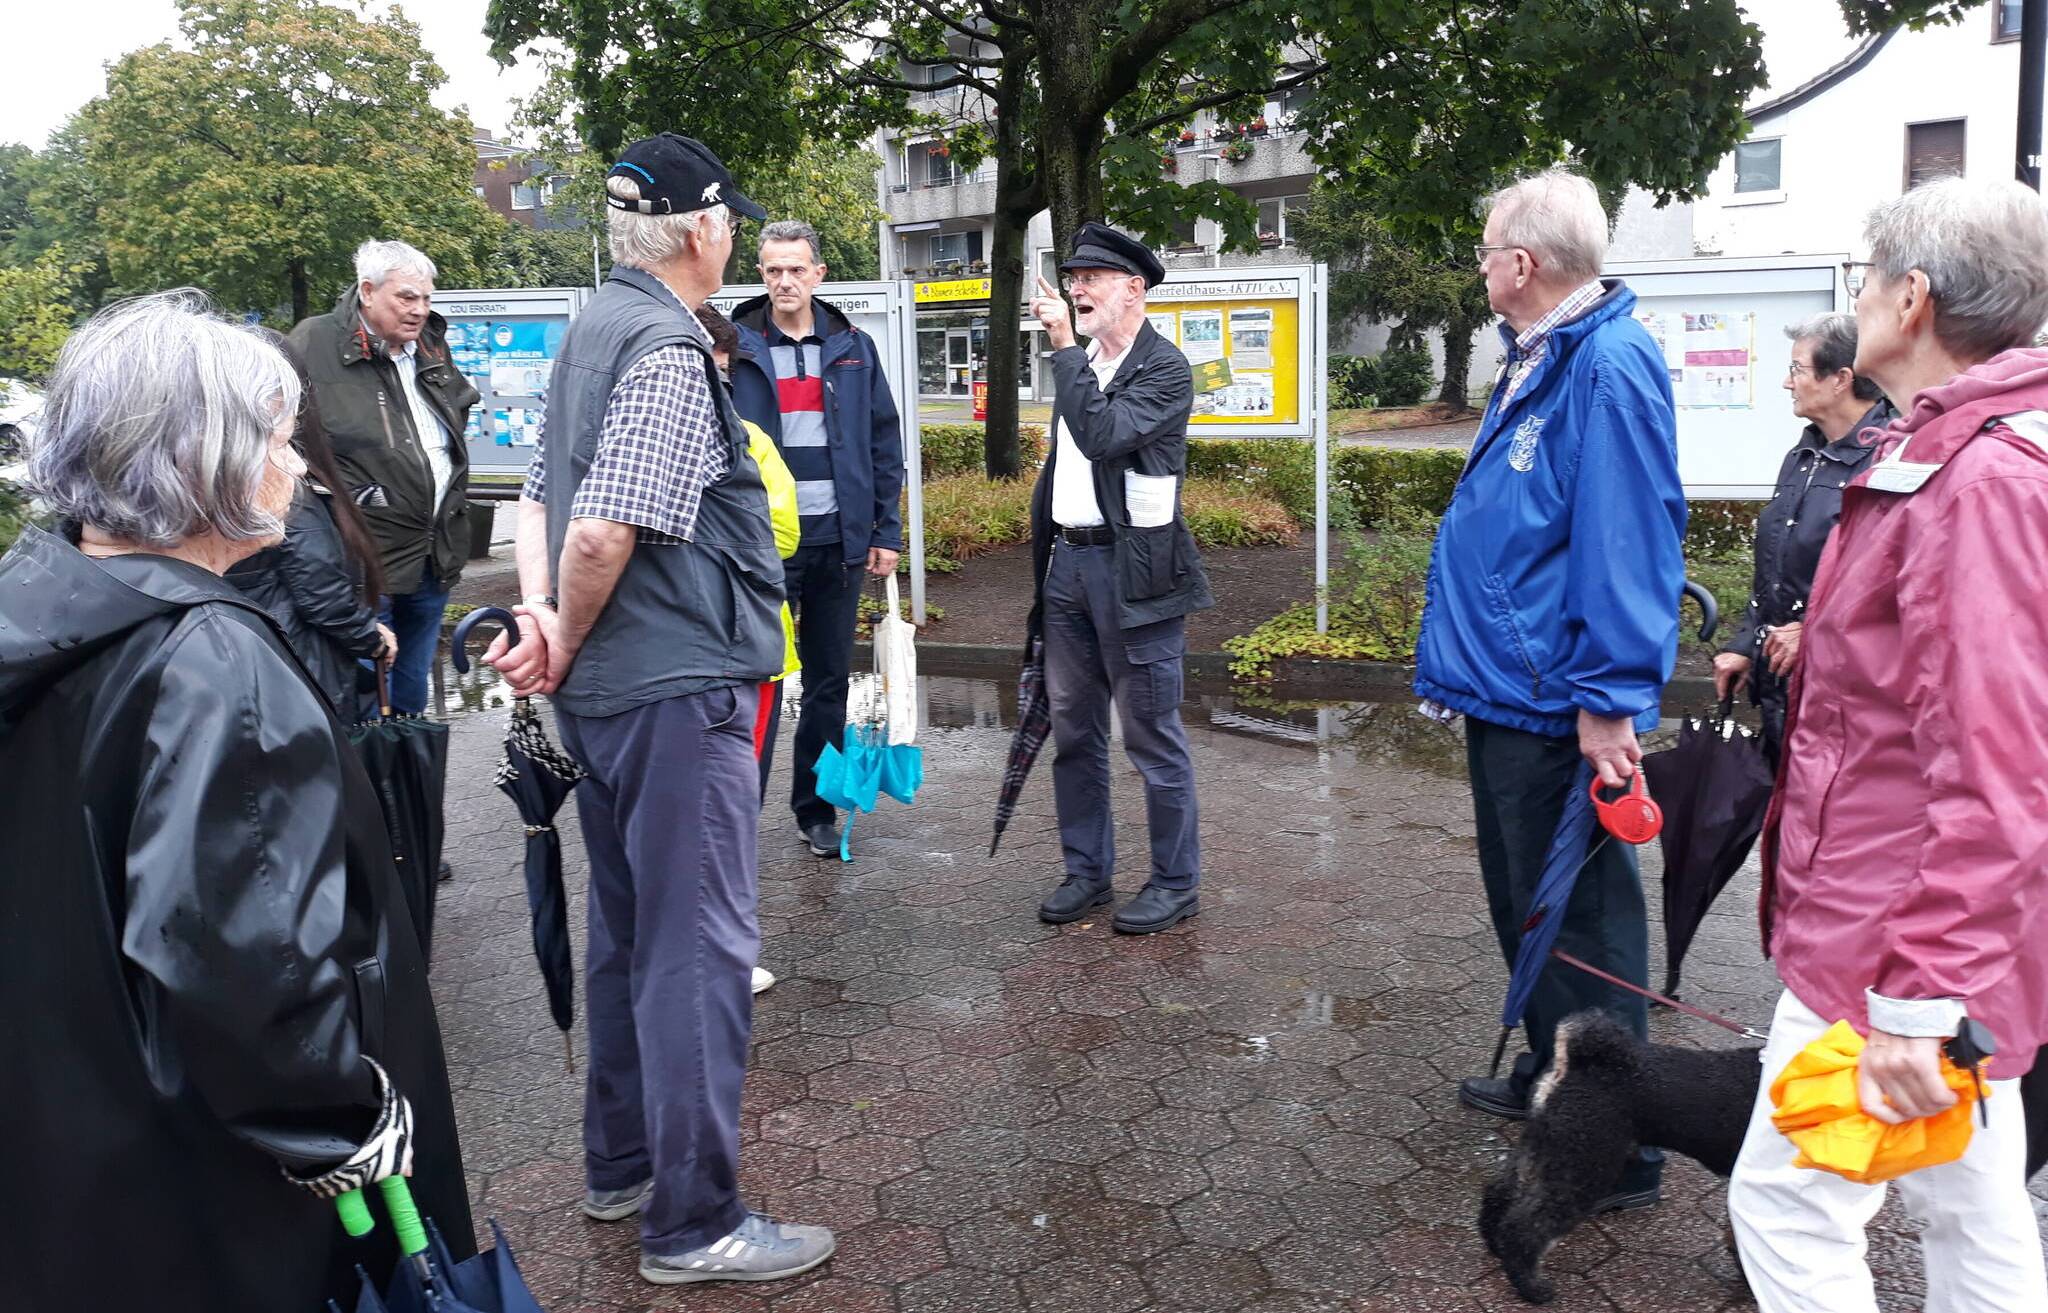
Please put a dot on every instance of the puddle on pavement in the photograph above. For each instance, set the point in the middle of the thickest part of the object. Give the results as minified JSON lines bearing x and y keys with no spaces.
{"x":1372,"y":733}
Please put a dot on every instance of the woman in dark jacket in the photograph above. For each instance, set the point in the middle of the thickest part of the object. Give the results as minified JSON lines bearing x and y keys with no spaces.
{"x":213,"y":1015}
{"x":1841,"y":409}
{"x":320,"y":582}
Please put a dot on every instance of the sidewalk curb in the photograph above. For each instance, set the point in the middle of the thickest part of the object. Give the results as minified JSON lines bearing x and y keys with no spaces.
{"x":1295,"y":679}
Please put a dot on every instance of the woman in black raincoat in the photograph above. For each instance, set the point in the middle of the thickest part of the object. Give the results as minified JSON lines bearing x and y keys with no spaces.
{"x":1839,"y":408}
{"x":321,"y":583}
{"x":213,"y":1014}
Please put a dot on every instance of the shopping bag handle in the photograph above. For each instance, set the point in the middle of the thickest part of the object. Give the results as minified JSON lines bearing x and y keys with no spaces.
{"x":893,"y":601}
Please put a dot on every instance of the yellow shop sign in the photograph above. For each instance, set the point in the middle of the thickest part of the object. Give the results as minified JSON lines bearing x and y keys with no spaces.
{"x":957,"y":289}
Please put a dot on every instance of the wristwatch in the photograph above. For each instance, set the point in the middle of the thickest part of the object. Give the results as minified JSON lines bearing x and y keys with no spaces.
{"x":539,"y":599}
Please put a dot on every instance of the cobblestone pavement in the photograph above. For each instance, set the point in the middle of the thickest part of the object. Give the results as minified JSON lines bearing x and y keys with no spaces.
{"x":1253,"y":1111}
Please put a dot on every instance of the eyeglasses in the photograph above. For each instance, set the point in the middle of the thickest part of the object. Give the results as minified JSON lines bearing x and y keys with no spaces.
{"x":1797,"y":369}
{"x":1479,"y":253}
{"x":1854,"y":277}
{"x":1091,"y":278}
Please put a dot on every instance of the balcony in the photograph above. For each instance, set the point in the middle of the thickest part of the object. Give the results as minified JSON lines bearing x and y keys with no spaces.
{"x":972,"y":196}
{"x":1270,"y":153}
{"x":1205,"y":257}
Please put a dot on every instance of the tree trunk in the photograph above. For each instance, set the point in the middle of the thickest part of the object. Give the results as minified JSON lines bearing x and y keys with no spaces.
{"x":302,"y":295}
{"x":1002,"y":450}
{"x":1458,"y":361}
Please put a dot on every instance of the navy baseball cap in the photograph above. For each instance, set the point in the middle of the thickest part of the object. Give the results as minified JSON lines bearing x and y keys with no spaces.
{"x":1099,"y":246}
{"x":677,"y":175}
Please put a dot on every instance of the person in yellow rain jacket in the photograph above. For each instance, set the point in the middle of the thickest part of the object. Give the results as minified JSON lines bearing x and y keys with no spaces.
{"x":782,"y":514}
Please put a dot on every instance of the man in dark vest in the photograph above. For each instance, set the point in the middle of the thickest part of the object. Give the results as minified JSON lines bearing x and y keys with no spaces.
{"x":1117,"y":575}
{"x":652,"y":615}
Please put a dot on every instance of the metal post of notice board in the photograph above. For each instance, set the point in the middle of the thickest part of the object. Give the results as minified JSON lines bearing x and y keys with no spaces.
{"x":1319,"y":408}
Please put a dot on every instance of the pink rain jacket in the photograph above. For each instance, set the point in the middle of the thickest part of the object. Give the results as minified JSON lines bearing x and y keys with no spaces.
{"x":1906,"y":850}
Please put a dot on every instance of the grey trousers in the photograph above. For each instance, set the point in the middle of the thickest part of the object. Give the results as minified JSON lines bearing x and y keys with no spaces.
{"x":1090,"y":659}
{"x":669,"y":816}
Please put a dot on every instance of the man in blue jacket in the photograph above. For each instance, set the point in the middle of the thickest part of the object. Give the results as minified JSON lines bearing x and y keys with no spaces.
{"x":814,"y":384}
{"x":1551,"y":619}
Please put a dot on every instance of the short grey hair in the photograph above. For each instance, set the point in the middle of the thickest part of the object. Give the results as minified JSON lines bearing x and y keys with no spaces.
{"x":794,"y":230}
{"x":1832,"y":339}
{"x":1984,"y":249}
{"x":642,"y":241}
{"x":377,"y":261}
{"x":1556,"y":217}
{"x":158,"y":421}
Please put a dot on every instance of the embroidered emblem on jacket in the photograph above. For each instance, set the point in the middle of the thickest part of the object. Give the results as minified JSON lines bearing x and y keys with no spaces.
{"x":1522,"y":446}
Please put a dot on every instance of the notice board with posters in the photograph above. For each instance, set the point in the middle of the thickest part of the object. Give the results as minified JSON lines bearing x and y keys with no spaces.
{"x":1721,"y":325}
{"x":506,"y":342}
{"x":1250,"y":337}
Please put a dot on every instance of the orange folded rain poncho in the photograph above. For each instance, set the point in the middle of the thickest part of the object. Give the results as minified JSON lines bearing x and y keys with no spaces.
{"x":1818,"y":1109}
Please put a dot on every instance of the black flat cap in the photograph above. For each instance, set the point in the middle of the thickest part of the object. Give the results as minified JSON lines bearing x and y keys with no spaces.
{"x":678,"y":174}
{"x":1099,"y":246}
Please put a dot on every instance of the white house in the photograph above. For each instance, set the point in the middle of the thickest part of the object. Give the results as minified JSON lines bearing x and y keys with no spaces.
{"x":1893,"y":111}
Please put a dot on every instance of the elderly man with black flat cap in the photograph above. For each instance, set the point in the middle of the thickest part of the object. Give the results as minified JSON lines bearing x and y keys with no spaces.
{"x":652,"y":615}
{"x":1117,"y":576}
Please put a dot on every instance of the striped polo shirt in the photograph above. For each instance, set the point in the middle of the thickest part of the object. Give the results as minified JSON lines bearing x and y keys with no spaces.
{"x":800,"y":395}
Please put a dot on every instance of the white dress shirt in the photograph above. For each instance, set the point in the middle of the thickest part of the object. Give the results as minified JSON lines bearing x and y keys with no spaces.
{"x":434,"y":435}
{"x":1073,"y":474}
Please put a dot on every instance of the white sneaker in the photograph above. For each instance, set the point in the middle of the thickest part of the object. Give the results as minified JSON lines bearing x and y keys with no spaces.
{"x":763,"y":978}
{"x":759,"y":1250}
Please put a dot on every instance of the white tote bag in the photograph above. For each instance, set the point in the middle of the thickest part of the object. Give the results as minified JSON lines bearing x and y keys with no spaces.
{"x":896,"y":670}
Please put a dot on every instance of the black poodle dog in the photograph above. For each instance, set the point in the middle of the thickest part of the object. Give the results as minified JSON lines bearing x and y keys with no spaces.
{"x":1606,"y":1093}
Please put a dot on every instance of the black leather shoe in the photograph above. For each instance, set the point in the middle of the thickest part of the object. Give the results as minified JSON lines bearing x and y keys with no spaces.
{"x":823,"y":838}
{"x":1073,"y":899}
{"x":1155,"y":909}
{"x":1503,"y":1098}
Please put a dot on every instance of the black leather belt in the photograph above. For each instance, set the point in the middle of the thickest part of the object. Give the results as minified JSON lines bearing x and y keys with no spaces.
{"x":1096,"y":536}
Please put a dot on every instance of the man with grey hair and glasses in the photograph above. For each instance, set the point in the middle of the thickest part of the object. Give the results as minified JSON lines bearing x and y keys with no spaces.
{"x":814,"y":384}
{"x":395,"y":406}
{"x":653,"y":612}
{"x":1552,"y":615}
{"x":1905,"y":858}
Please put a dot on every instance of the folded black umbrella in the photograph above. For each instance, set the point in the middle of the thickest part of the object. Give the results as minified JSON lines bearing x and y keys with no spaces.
{"x":538,"y":777}
{"x":407,"y":761}
{"x":1034,"y":726}
{"x":1714,"y":787}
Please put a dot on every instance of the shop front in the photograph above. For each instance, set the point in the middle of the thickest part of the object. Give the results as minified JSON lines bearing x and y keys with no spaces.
{"x":953,"y":339}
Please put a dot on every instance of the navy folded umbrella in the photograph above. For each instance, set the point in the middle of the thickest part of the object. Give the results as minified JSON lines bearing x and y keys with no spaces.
{"x":538,"y":777}
{"x":1572,"y":845}
{"x":429,"y":1280}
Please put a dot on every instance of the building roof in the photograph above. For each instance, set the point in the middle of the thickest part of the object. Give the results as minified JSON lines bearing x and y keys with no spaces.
{"x":1853,"y":63}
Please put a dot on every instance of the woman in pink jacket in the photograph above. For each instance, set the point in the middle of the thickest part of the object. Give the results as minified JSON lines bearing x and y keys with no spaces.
{"x":1906,"y":854}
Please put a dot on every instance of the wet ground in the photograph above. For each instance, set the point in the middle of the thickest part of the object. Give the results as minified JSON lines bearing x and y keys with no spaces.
{"x":1253,"y":1111}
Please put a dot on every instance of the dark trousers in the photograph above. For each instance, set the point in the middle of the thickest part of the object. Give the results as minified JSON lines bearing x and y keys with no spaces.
{"x":824,"y":594}
{"x":415,"y":620}
{"x":669,"y":815}
{"x":1519,"y":781}
{"x":1090,"y":659}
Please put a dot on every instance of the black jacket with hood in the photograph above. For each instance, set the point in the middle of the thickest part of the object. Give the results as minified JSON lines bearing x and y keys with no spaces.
{"x":200,"y":935}
{"x":357,"y":395}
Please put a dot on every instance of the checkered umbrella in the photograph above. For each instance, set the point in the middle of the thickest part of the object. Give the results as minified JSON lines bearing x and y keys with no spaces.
{"x":1034,"y":725}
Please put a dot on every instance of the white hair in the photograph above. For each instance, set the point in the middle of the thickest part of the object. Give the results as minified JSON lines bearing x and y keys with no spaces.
{"x":642,"y":241}
{"x":158,"y":421}
{"x":377,"y":261}
{"x":1984,"y":249}
{"x":1556,"y":217}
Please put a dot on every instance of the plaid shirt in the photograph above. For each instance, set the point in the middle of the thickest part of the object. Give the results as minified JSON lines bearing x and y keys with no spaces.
{"x":662,"y":443}
{"x":1532,"y":342}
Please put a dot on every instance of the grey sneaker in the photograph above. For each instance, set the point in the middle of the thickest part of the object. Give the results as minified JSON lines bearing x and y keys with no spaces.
{"x":757,"y":1250}
{"x":617,"y":1205}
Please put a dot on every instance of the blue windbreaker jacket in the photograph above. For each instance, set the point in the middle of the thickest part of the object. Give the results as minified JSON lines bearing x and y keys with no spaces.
{"x":1555,"y":580}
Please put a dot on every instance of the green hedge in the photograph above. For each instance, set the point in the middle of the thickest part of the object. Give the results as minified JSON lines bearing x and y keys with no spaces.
{"x":1378,"y":480}
{"x":13,"y":514}
{"x":959,"y":448}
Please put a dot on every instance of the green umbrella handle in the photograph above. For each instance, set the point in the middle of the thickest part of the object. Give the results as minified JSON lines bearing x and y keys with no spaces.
{"x":355,"y":1214}
{"x":412,"y":1235}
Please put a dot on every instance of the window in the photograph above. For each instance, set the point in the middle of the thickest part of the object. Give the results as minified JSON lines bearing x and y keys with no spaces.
{"x":939,"y":170}
{"x":949,"y":248}
{"x":1274,"y":213}
{"x":1758,"y":165}
{"x":1184,"y":234}
{"x":524,"y":196}
{"x":2005,"y":20}
{"x":1933,"y":150}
